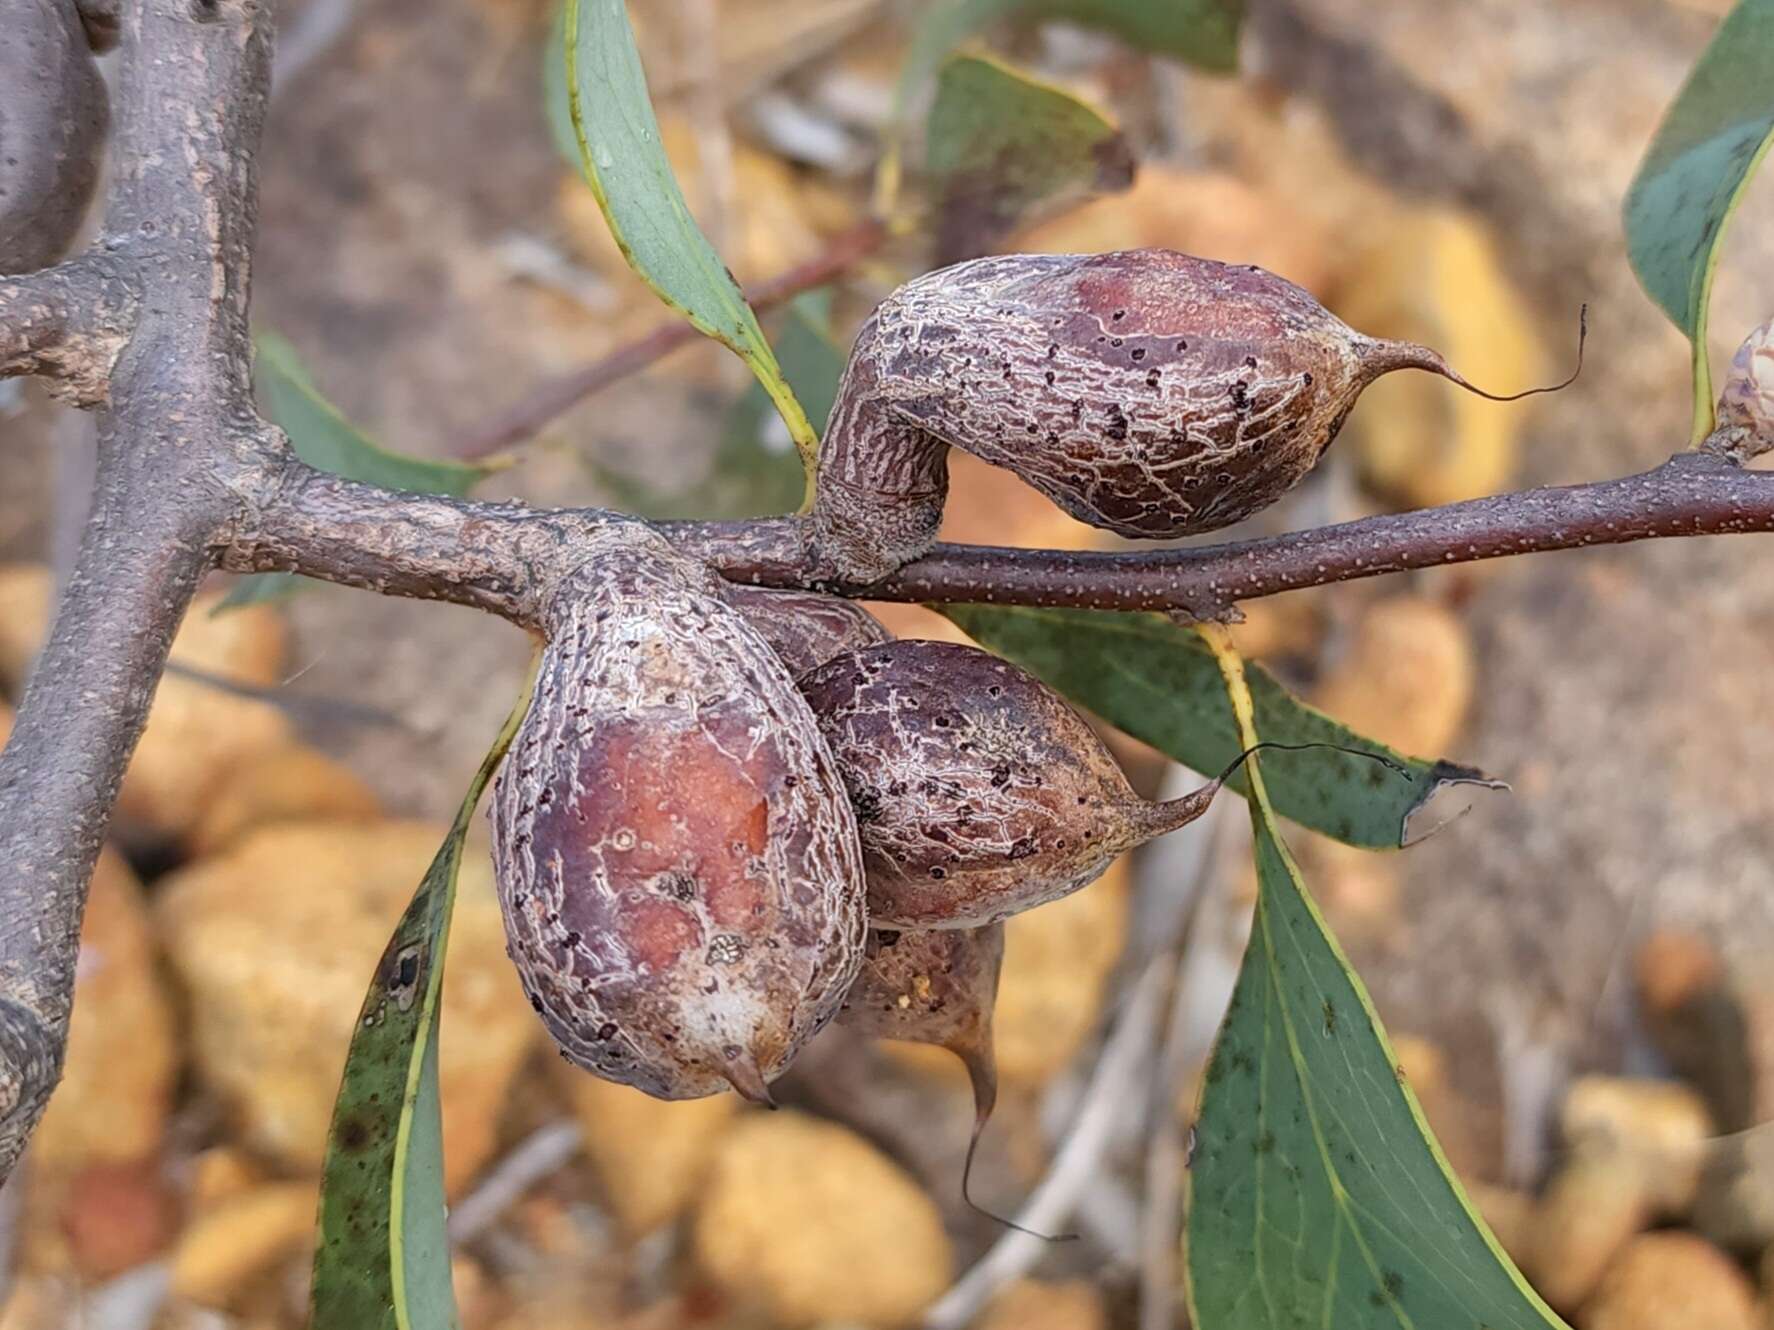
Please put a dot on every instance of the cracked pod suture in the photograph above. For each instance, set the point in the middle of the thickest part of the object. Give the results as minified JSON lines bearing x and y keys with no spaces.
{"x":1146,"y":392}
{"x":676,"y":857}
{"x":979,"y":792}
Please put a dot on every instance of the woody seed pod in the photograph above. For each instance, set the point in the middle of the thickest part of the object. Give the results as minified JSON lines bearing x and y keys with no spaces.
{"x":978,"y":791}
{"x":807,"y":628}
{"x":1146,"y":392}
{"x":1746,"y":399}
{"x":677,"y":861}
{"x":933,"y":987}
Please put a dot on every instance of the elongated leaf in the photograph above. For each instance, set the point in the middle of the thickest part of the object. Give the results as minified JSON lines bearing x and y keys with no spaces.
{"x":1713,"y":135}
{"x":1317,"y":1195}
{"x":556,"y":104}
{"x":1158,"y":681}
{"x":755,"y":473}
{"x":1000,"y":143}
{"x":624,"y":161}
{"x":383,"y":1258}
{"x":323,"y":438}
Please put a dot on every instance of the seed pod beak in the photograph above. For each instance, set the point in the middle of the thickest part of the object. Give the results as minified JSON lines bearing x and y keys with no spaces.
{"x":743,"y":1075}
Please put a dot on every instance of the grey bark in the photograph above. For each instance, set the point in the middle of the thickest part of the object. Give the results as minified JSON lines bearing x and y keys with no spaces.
{"x":151,"y":327}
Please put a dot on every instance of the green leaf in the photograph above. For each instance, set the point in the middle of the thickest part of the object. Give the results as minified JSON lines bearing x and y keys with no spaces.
{"x":556,"y":104}
{"x":1203,"y":33}
{"x":1158,"y":681}
{"x":323,"y":438}
{"x":1000,"y":143}
{"x":1712,"y":137}
{"x":1317,"y":1194}
{"x":753,"y":475}
{"x":624,"y":160}
{"x":383,"y":1257}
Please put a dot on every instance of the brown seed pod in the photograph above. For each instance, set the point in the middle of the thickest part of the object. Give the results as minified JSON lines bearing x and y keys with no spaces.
{"x":807,"y":628}
{"x":978,"y":790}
{"x":1146,"y":392}
{"x":677,"y":862}
{"x":937,"y":986}
{"x":52,"y":123}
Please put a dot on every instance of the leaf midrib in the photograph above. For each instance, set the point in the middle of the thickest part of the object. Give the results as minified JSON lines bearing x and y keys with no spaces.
{"x":1339,"y":1194}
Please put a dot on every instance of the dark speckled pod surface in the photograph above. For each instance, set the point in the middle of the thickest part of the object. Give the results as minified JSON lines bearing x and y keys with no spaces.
{"x":979,"y":791}
{"x":676,"y":856}
{"x":1146,"y":392}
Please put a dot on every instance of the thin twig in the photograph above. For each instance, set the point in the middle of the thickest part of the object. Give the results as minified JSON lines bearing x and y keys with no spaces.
{"x":1119,"y":1072}
{"x":553,"y":397}
{"x":486,"y":554}
{"x":1114,"y":1085}
{"x":1161,"y":1222}
{"x":298,"y":706}
{"x":541,"y":1154}
{"x":176,"y":435}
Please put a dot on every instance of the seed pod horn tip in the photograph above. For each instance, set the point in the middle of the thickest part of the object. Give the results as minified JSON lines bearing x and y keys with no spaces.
{"x":979,"y":1127}
{"x":747,"y":1079}
{"x":981,"y":1068}
{"x":1380,"y":356}
{"x":1148,"y":821}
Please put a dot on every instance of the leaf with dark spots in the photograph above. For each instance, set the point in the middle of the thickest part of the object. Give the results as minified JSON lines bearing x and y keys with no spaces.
{"x":1201,"y":32}
{"x":353,"y":1134}
{"x":1157,"y":680}
{"x":1319,"y":1195}
{"x":382,"y":1261}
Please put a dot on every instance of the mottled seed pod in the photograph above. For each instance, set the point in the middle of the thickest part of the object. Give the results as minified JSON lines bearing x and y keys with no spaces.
{"x":1147,"y":392}
{"x":807,"y":628}
{"x":676,"y":856}
{"x":1746,"y":399}
{"x":978,"y":791}
{"x":52,"y":123}
{"x":937,"y":986}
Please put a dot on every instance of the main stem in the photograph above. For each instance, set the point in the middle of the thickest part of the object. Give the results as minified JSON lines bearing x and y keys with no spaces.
{"x":493,"y":556}
{"x":151,"y":324}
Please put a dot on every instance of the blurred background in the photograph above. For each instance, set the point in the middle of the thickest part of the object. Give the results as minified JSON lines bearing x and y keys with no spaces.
{"x":1574,"y":974}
